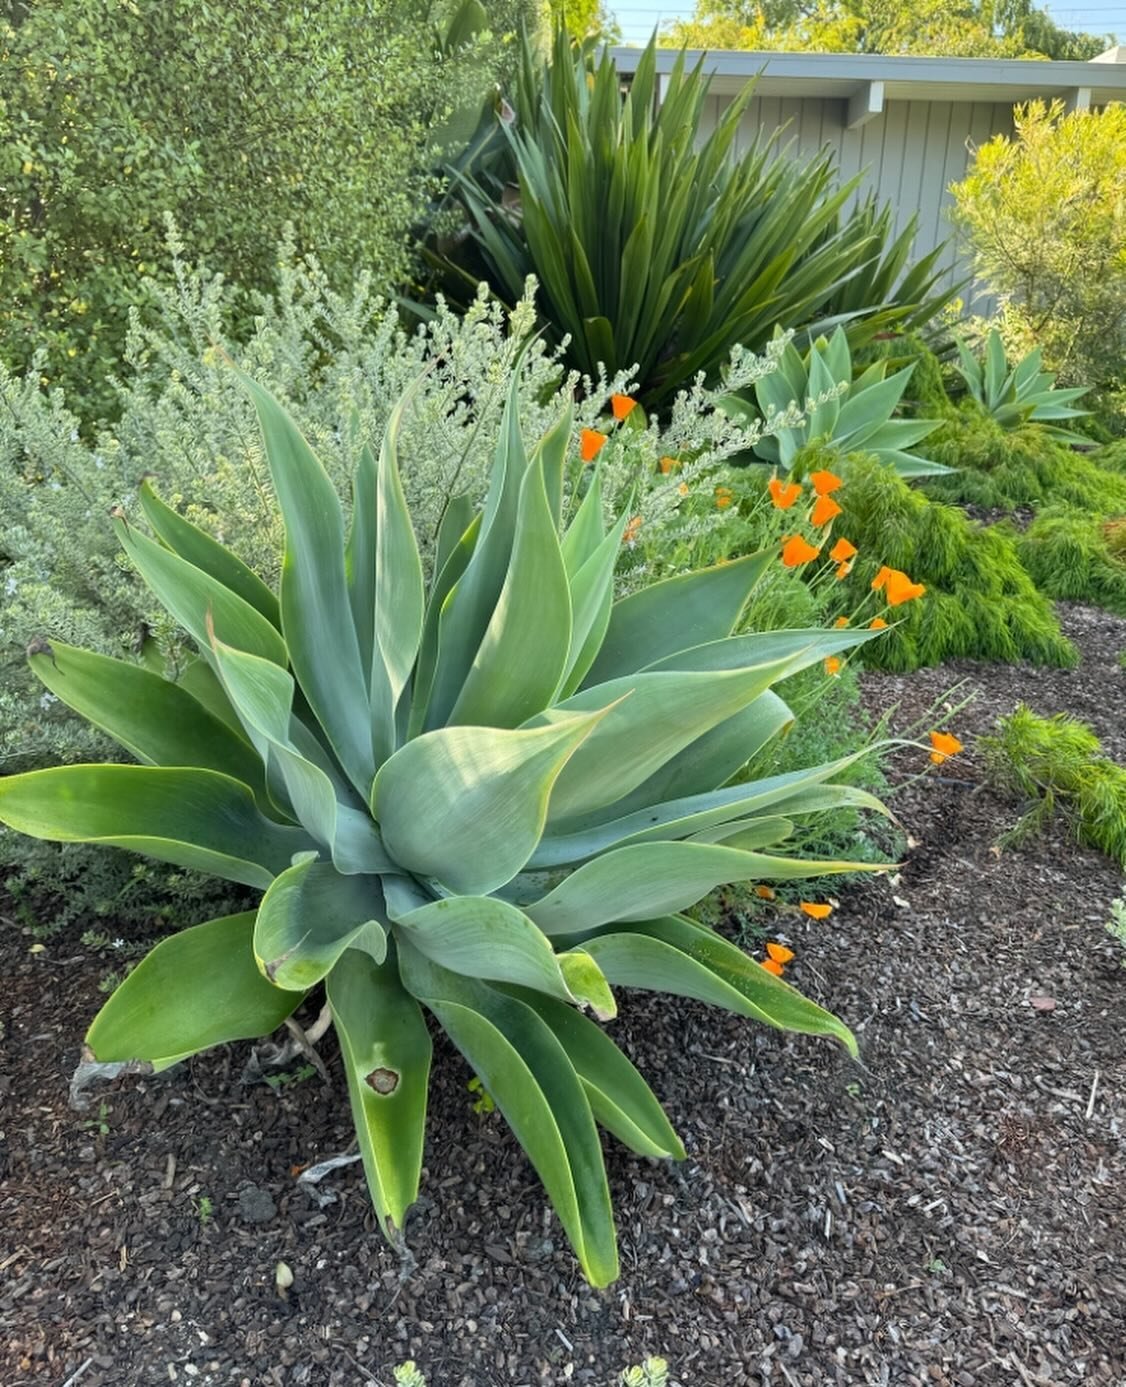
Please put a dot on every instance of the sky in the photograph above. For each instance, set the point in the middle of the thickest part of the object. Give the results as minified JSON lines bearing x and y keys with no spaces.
{"x":639,"y":17}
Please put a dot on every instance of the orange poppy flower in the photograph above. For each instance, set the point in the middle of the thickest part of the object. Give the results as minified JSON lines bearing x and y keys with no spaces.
{"x":840,"y":621}
{"x":833,"y":665}
{"x":816,"y":910}
{"x":796,"y":551}
{"x":682,"y":489}
{"x":778,"y":952}
{"x":668,"y":465}
{"x":842,"y":551}
{"x":783,"y":494}
{"x":880,"y":580}
{"x":843,"y":570}
{"x":824,"y":509}
{"x":764,"y":893}
{"x":877,"y":624}
{"x":591,"y":443}
{"x":621,"y":405}
{"x":772,"y":967}
{"x":723,"y":497}
{"x":900,"y":589}
{"x":945,"y":744}
{"x":629,"y":534}
{"x":824,"y":482}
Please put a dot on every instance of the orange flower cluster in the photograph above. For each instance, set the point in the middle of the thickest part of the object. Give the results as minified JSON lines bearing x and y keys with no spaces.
{"x":783,"y":494}
{"x":944,"y":745}
{"x":723,"y":497}
{"x":833,"y":665}
{"x":896,"y":585}
{"x":777,"y":956}
{"x":621,"y":406}
{"x":797,"y":551}
{"x":591,"y":443}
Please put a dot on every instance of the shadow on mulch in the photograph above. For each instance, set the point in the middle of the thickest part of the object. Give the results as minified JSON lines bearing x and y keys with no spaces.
{"x":949,"y":1212}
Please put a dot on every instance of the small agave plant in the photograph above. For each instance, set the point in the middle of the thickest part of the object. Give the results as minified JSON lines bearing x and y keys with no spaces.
{"x":1026,"y":394}
{"x":485,"y":798}
{"x":854,"y":416}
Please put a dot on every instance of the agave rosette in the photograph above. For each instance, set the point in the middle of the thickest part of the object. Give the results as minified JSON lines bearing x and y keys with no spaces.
{"x":487,"y":797}
{"x":1026,"y":394}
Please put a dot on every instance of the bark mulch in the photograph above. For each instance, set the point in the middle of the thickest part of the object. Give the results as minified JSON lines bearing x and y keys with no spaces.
{"x":947,"y":1213}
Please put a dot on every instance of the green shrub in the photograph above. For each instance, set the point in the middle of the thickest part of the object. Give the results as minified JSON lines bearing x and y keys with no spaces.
{"x":980,"y":601}
{"x":238,"y":119}
{"x":1069,"y":556}
{"x":1046,"y":220}
{"x":998,"y":468}
{"x":1056,"y":763}
{"x":652,"y":249}
{"x":487,"y":796}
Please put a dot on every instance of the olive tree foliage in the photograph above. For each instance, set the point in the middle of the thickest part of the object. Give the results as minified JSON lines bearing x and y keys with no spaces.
{"x":236,"y":117}
{"x":949,"y":28}
{"x":1045,"y":214}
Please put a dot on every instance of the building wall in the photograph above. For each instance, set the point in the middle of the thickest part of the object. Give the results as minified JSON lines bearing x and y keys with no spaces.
{"x":910,"y":154}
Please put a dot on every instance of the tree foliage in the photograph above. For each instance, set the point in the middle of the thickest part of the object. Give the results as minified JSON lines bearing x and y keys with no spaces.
{"x":237,"y":118}
{"x":964,"y":28}
{"x":1045,"y":211}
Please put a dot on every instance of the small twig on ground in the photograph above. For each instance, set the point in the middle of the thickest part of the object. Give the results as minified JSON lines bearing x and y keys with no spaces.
{"x":301,"y":1041}
{"x":73,"y":1378}
{"x":1091,"y":1101}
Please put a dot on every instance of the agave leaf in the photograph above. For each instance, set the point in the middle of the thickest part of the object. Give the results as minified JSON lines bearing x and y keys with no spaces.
{"x":191,"y":818}
{"x":527,"y":1073}
{"x":592,"y":601}
{"x":203,"y":552}
{"x":619,"y":1097}
{"x":995,"y":374}
{"x":400,"y":596}
{"x":748,"y":835}
{"x":482,"y":937}
{"x":441,"y":592}
{"x":192,"y":596}
{"x":523,"y":654}
{"x":676,"y":955}
{"x":263,"y":696}
{"x":466,"y":805}
{"x":649,"y":879}
{"x":160,"y":723}
{"x":154,"y":1016}
{"x":316,"y":608}
{"x":588,"y":529}
{"x":309,"y":915}
{"x":359,"y":553}
{"x":686,"y":610}
{"x":386,"y":1051}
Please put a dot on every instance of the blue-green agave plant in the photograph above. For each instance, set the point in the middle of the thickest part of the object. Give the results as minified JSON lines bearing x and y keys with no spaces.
{"x":485,"y":797}
{"x":1026,"y":394}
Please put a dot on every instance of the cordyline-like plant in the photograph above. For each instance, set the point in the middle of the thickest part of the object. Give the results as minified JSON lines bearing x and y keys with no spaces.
{"x":486,"y":797}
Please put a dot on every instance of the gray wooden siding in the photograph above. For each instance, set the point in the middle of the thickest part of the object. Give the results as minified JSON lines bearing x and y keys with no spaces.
{"x":910,"y":154}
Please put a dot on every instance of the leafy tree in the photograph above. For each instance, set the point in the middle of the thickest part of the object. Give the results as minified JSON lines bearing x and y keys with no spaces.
{"x":953,"y":28}
{"x":237,"y":118}
{"x":1045,"y":212}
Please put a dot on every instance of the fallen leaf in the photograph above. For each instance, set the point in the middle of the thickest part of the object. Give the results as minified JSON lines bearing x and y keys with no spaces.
{"x":1040,"y":1003}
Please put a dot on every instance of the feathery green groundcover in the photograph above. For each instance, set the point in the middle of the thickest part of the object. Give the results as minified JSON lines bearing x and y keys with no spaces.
{"x":1071,"y":555}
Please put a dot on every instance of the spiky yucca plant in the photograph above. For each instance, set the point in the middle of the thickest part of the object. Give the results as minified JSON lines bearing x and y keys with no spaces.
{"x":486,"y":797}
{"x":854,"y":416}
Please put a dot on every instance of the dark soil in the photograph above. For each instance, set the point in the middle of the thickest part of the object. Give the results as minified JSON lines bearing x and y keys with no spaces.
{"x":949,"y":1212}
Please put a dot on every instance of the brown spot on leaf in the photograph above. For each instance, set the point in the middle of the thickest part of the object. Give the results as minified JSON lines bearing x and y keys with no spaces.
{"x":383,"y":1081}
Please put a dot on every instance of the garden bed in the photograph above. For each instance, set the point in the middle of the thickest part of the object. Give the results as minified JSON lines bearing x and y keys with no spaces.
{"x":949,"y":1211}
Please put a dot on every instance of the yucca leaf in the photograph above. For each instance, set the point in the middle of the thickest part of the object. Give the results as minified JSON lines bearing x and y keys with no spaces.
{"x":386,"y":1051}
{"x":619,"y":1097}
{"x":157,"y":721}
{"x":466,"y":805}
{"x":191,"y":595}
{"x":153,"y":1016}
{"x":650,"y":879}
{"x":203,"y":552}
{"x":316,"y":608}
{"x":525,"y":1070}
{"x":667,"y":616}
{"x":309,"y":915}
{"x":678,"y":956}
{"x":191,"y":818}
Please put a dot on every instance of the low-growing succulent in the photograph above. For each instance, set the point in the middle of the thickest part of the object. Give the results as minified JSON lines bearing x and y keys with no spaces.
{"x":485,"y":795}
{"x":853,"y":416}
{"x":1023,"y":395}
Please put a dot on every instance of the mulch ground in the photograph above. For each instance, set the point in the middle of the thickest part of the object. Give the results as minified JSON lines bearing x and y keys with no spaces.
{"x":947,"y":1213}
